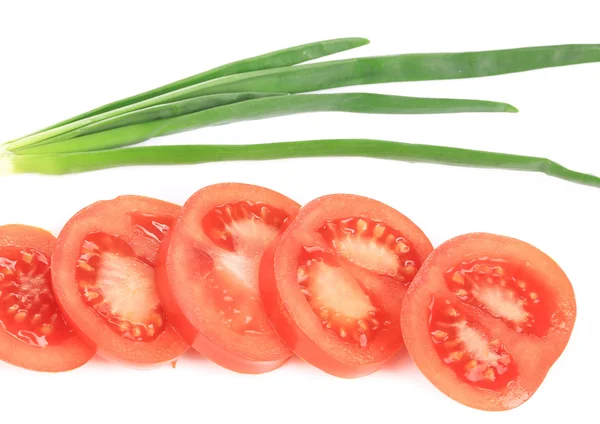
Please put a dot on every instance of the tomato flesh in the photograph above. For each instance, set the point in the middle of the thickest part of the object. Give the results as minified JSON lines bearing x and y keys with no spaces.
{"x":104,"y":266}
{"x":33,"y":332}
{"x":333,"y":285}
{"x":212,"y":259}
{"x":486,"y":317}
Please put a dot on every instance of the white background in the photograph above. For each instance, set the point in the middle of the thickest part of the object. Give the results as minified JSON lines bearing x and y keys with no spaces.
{"x":58,"y":59}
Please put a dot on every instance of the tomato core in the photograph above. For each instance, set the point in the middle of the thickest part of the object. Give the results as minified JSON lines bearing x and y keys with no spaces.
{"x":244,"y":229}
{"x":468,"y":349}
{"x":241,"y":226}
{"x":331,"y":282}
{"x":372,"y":245}
{"x":505,"y":291}
{"x":344,"y":305}
{"x":119,"y":287}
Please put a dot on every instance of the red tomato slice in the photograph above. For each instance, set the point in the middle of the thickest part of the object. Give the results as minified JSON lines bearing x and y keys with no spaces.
{"x":333,"y":285}
{"x":208,"y":274}
{"x":105,"y":283}
{"x":33,"y":333}
{"x":486,"y":317}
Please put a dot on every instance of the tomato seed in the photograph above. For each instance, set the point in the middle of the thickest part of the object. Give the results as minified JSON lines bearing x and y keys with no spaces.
{"x":401,"y":248}
{"x":20,"y":316}
{"x":46,"y":329}
{"x":378,"y":230}
{"x":27,"y":257}
{"x":85,"y":266}
{"x":469,"y":366}
{"x":37,"y":318}
{"x":489,"y":374}
{"x":361,"y":226}
{"x":456,"y":355}
{"x":458,"y":278}
{"x":439,"y":335}
{"x":390,"y":240}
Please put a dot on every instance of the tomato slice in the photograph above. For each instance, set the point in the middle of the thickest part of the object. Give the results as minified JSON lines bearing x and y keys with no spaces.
{"x":334,"y":283}
{"x":486,"y":317}
{"x":208,"y":274}
{"x":33,"y":333}
{"x":105,"y":279}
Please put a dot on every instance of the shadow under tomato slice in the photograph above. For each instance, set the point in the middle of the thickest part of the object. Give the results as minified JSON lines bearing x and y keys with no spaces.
{"x":33,"y":333}
{"x":486,"y":317}
{"x":105,"y":279}
{"x":333,"y":284}
{"x":208,"y":274}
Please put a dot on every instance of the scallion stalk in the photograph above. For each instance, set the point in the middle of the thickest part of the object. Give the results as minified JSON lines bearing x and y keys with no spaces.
{"x":358,"y":71}
{"x":259,"y":109}
{"x":276,"y":59}
{"x":177,"y":155}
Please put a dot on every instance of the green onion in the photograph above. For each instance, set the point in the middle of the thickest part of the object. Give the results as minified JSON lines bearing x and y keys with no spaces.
{"x":358,"y":71}
{"x":173,"y":155}
{"x":277,"y":59}
{"x":403,"y":67}
{"x":262,"y":108}
{"x":162,"y":111}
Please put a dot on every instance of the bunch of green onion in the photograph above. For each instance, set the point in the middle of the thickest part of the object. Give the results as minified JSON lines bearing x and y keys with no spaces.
{"x":276,"y":84}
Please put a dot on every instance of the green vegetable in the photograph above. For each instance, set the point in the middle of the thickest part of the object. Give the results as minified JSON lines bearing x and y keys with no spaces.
{"x":403,"y":67}
{"x":368,"y":70}
{"x":277,"y":59}
{"x":172,"y":155}
{"x":162,"y":111}
{"x":261,"y":108}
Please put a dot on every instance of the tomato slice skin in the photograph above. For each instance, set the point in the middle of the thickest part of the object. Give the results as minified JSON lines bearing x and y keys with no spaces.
{"x":187,"y":269}
{"x":71,"y":352}
{"x":531,"y":354}
{"x":120,"y":221}
{"x":291,"y":314}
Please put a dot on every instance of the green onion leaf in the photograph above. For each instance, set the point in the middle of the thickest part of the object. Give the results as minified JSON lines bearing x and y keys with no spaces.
{"x":277,"y":59}
{"x":175,"y":155}
{"x":403,"y":67}
{"x":258,"y":109}
{"x":162,"y":111}
{"x":358,"y":71}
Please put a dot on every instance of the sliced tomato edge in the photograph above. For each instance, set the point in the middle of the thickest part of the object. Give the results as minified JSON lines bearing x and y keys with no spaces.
{"x":484,"y":399}
{"x":300,"y":344}
{"x":188,"y":332}
{"x":71,"y":354}
{"x":279,"y":312}
{"x":183,"y":325}
{"x":130,"y":356}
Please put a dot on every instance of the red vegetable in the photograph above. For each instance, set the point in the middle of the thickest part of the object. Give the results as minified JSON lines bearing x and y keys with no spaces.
{"x":33,"y":333}
{"x":485,"y":319}
{"x":334,"y":284}
{"x":208,"y":274}
{"x":105,"y":283}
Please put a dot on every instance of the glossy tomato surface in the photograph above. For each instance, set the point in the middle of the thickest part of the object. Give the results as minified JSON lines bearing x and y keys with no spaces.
{"x":33,"y":333}
{"x":486,"y":317}
{"x":334,"y":283}
{"x":208,"y":274}
{"x":105,"y":279}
